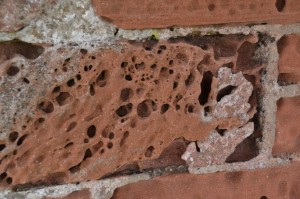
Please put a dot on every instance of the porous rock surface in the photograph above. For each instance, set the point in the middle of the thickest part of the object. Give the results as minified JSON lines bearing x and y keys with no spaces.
{"x":120,"y":106}
{"x":136,"y":14}
{"x":277,"y":183}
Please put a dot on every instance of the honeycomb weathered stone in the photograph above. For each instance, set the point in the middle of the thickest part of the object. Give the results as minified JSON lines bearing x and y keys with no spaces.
{"x":120,"y":107}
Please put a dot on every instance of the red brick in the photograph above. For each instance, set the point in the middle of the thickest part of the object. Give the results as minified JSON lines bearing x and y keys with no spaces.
{"x":132,"y":14}
{"x":287,"y":126}
{"x":98,"y":120}
{"x":271,"y":183}
{"x":289,"y":58}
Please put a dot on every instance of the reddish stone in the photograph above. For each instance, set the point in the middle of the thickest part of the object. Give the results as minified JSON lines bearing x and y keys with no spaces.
{"x":120,"y":107}
{"x":82,"y":194}
{"x":273,"y":183}
{"x":135,"y":14}
{"x":287,"y":126}
{"x":289,"y":58}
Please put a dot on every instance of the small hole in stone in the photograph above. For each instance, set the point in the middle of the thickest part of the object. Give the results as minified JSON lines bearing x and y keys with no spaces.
{"x":111,"y":136}
{"x":124,"y":110}
{"x":92,"y":90}
{"x":62,"y":98}
{"x":71,"y":126}
{"x":83,"y":51}
{"x":211,"y":7}
{"x":47,"y":106}
{"x":163,"y":47}
{"x":124,"y":138}
{"x":9,"y":180}
{"x":12,"y":71}
{"x":225,"y":91}
{"x":264,"y":197}
{"x":71,"y":83}
{"x":109,"y":145}
{"x":65,"y":69}
{"x":171,"y":62}
{"x":149,"y":151}
{"x":87,"y":154}
{"x":280,"y":4}
{"x":206,"y":110}
{"x":21,"y":139}
{"x":2,"y":147}
{"x":68,"y":145}
{"x":3,"y":176}
{"x":124,"y":64}
{"x":97,"y":146}
{"x":145,"y":108}
{"x":101,"y":79}
{"x":177,"y":107}
{"x":140,"y":66}
{"x":164,"y":108}
{"x":153,"y":66}
{"x":190,"y":109}
{"x":75,"y":168}
{"x":91,"y":131}
{"x":220,"y":131}
{"x":13,"y":136}
{"x":40,"y":120}
{"x":56,"y":89}
{"x":175,"y":85}
{"x":128,"y":77}
{"x":197,"y":147}
{"x":78,"y":77}
{"x":205,"y":87}
{"x":190,"y":80}
{"x":25,"y":80}
{"x":126,"y":94}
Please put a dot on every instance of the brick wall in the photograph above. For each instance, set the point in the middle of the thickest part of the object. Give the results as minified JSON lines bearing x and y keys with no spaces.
{"x":131,"y":99}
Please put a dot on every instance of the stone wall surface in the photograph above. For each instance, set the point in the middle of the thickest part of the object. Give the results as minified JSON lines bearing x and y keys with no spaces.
{"x":96,"y":102}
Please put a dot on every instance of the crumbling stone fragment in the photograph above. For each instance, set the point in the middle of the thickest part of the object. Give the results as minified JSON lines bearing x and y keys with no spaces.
{"x":215,"y":148}
{"x":93,"y":112}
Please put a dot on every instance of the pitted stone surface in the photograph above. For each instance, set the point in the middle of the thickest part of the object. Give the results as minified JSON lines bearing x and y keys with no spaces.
{"x":133,"y":14}
{"x":91,"y":112}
